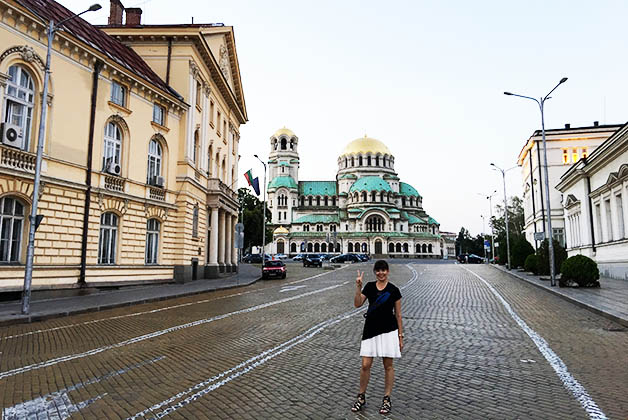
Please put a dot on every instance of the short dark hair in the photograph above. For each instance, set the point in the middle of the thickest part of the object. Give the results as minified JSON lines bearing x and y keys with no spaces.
{"x":380,"y":265}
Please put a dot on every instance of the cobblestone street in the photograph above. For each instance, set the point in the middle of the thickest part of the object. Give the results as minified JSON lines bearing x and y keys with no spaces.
{"x":479,"y":344}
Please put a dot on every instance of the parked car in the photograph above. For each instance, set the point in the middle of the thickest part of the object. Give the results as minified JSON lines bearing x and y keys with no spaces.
{"x":280,"y":256}
{"x":274,"y":268}
{"x":363,"y":257}
{"x":325,"y":257}
{"x":474,"y":259}
{"x":252,"y":258}
{"x":298,"y":257}
{"x":343,"y":258}
{"x":310,"y":260}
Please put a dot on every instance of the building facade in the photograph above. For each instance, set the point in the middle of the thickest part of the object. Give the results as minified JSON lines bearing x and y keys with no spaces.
{"x":140,"y":153}
{"x":565,"y":147}
{"x":366,"y":209}
{"x":595,"y":202}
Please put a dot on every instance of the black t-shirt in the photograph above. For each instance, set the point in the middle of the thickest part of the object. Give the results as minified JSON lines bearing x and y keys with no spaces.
{"x":380,"y":317}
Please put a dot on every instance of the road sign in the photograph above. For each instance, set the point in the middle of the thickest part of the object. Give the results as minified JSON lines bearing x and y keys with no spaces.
{"x":539,"y":236}
{"x":239,"y":240}
{"x":487,"y":244}
{"x":239,"y":227}
{"x":496,"y":244}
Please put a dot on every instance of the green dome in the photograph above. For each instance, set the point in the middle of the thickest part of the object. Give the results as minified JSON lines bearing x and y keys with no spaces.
{"x":370,"y":183}
{"x":407,"y":189}
{"x":283,"y":181}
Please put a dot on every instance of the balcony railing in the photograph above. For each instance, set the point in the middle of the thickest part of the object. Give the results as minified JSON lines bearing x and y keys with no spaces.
{"x":17,"y":159}
{"x":157,"y":194}
{"x":215,"y":185}
{"x":114,"y":183}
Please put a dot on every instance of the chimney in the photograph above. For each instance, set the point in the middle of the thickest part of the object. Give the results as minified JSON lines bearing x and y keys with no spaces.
{"x":115,"y":12}
{"x":567,"y":125}
{"x":596,"y":123}
{"x":133,"y":16}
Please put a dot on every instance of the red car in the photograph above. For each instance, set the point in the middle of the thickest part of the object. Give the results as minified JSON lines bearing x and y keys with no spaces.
{"x":274,"y":268}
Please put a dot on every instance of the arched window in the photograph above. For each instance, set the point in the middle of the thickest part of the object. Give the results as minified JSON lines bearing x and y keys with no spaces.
{"x":309,"y":247}
{"x":154,"y":161}
{"x":326,"y":200}
{"x":302,"y":201}
{"x":20,"y":102}
{"x":152,"y":241}
{"x":293,"y":248}
{"x":195,"y":222}
{"x":391,"y":248}
{"x":364,"y":246}
{"x":346,"y":162}
{"x":398,"y":247}
{"x":284,"y":144}
{"x":11,"y":225}
{"x":306,"y":228}
{"x":424,"y":248}
{"x":108,"y":238}
{"x":332,"y":228}
{"x":319,"y":228}
{"x":209,"y":160}
{"x":317,"y":247}
{"x":417,"y":249}
{"x":113,"y":146}
{"x":196,"y":147}
{"x":411,"y":202}
{"x":318,"y":201}
{"x":373,"y":196}
{"x":368,"y":161}
{"x":376,"y":160}
{"x":361,"y":161}
{"x":385,"y":162}
{"x":375,"y":223}
{"x":405,"y":247}
{"x":356,"y":247}
{"x":337,"y":246}
{"x":333,"y":201}
{"x":403,"y":201}
{"x":363,"y":195}
{"x":350,"y":247}
{"x":429,"y":248}
{"x":309,"y":200}
{"x":323,"y":247}
{"x":352,"y":161}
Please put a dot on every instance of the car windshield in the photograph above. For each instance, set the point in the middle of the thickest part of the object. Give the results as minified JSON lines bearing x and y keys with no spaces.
{"x":273,"y":264}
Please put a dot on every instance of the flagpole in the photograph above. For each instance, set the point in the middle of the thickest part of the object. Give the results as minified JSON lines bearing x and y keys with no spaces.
{"x":263,"y":213}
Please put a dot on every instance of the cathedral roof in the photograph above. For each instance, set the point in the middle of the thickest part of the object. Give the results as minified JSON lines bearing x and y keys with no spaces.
{"x":318,"y":218}
{"x":317,"y":187}
{"x":370,"y":183}
{"x":365,"y":145}
{"x":431,"y":221}
{"x":407,"y":189}
{"x":284,"y":132}
{"x":283,"y":181}
{"x":281,"y":231}
{"x":412,"y":219}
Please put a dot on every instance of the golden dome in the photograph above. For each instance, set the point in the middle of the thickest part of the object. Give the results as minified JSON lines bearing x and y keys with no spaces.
{"x":284,"y":132}
{"x":365,"y":145}
{"x":281,"y":231}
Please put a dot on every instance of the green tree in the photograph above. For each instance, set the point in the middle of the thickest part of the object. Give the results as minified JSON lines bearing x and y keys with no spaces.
{"x":466,"y":244}
{"x":515,"y":227}
{"x":252,"y":219}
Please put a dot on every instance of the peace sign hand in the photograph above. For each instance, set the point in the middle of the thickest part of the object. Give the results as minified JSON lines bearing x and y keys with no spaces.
{"x":358,"y":280}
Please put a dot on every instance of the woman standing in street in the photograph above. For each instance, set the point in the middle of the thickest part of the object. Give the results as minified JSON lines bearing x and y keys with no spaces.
{"x":383,"y":331}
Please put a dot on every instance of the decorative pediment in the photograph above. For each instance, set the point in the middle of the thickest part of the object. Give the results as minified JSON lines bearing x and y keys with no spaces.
{"x":26,"y":53}
{"x":623,"y":171}
{"x":571,"y":201}
{"x":113,"y":204}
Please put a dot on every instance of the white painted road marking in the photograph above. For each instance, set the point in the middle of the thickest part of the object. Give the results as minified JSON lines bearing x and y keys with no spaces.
{"x":290,"y":288}
{"x":57,"y":405}
{"x":138,"y":339}
{"x":572,"y":385}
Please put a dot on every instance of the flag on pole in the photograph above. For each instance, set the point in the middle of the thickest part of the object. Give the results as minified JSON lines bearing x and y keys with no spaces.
{"x":249,"y":177}
{"x":255,"y":185}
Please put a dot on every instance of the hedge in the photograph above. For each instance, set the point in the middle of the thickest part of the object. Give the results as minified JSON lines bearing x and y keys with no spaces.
{"x":581,"y":270}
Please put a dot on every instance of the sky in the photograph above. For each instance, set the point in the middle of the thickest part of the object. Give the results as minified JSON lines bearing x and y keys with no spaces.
{"x":424,"y":77}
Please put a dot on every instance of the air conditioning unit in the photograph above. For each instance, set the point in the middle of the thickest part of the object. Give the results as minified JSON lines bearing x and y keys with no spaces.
{"x":158,"y":181}
{"x":112,"y":167}
{"x":11,"y":135}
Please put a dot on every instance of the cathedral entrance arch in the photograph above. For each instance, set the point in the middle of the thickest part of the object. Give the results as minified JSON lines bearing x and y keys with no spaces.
{"x":280,"y":247}
{"x":378,"y":246}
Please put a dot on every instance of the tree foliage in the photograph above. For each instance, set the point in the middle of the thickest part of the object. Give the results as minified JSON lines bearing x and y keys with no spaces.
{"x":515,"y":227}
{"x":466,"y":244}
{"x":252,"y":219}
{"x":521,"y":248}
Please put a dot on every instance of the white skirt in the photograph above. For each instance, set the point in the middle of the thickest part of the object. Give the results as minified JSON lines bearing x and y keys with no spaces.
{"x":383,"y":345}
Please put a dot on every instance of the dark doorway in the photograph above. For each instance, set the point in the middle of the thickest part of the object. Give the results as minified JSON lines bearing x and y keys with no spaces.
{"x":378,"y":247}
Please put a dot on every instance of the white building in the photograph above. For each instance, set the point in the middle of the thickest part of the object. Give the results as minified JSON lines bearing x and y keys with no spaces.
{"x":595,"y":201}
{"x":565,"y":147}
{"x":367,"y":209}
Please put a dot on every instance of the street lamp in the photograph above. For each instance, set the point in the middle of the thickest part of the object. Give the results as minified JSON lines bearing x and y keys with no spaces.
{"x":490,"y":209}
{"x":483,"y":237}
{"x":30,"y":250}
{"x":550,"y":237}
{"x":263,"y":212}
{"x":503,"y":171}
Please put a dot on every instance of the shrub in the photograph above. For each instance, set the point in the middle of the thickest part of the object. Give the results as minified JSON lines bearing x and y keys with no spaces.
{"x":520,"y":251}
{"x":580,"y":269}
{"x":532,"y":264}
{"x":560,"y":255}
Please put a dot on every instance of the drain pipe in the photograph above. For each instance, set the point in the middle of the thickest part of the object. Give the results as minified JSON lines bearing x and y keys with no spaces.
{"x":590,"y":212}
{"x":88,"y":178}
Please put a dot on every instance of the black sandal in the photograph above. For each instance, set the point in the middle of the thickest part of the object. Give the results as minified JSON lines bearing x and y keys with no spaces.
{"x":386,"y":405}
{"x":359,"y":403}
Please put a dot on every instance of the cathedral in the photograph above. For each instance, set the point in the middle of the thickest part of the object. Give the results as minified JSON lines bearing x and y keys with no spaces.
{"x":366,"y":209}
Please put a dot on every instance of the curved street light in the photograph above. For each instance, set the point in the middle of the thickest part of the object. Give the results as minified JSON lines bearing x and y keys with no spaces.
{"x":30,"y":249}
{"x":490,"y":209}
{"x":550,"y":237}
{"x":503,"y":171}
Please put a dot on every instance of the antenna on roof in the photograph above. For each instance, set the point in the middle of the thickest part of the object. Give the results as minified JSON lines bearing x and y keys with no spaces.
{"x":192,"y":20}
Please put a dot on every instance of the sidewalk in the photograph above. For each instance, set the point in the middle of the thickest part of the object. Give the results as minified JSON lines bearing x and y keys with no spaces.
{"x":10,"y":313}
{"x":610,"y":300}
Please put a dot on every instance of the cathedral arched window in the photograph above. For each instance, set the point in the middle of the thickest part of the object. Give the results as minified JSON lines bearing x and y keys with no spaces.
{"x":352,"y":161}
{"x":424,"y":248}
{"x":363,"y":195}
{"x":309,"y":201}
{"x":332,"y":228}
{"x":417,"y":249}
{"x":405,"y":248}
{"x":429,"y":248}
{"x":381,"y":196}
{"x":368,"y":161}
{"x":385,"y":164}
{"x":391,"y":248}
{"x":350,"y":247}
{"x":375,"y":223}
{"x":306,"y":228}
{"x":360,"y":160}
{"x":284,"y":144}
{"x":403,"y":201}
{"x":319,"y":228}
{"x":323,"y":247}
{"x":318,"y":201}
{"x":346,"y":162}
{"x":373,"y":196}
{"x":398,"y":247}
{"x":333,"y":201}
{"x":293,"y":248}
{"x":310,"y":247}
{"x":376,"y":160}
{"x":317,"y":247}
{"x":356,"y":247}
{"x":326,"y":201}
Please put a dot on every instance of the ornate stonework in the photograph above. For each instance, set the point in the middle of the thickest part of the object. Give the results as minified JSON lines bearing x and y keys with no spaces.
{"x":224,"y":61}
{"x":26,"y":53}
{"x":194,"y":70}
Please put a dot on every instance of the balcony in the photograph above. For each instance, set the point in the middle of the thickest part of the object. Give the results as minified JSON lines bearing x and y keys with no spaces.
{"x":17,"y":159}
{"x":157,"y":194}
{"x":114,"y":183}
{"x":216,"y":186}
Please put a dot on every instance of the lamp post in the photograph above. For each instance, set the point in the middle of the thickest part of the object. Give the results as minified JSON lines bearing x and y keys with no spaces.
{"x":490,"y":209}
{"x":503,"y":171}
{"x":263,"y":212}
{"x":483,"y":237}
{"x":30,"y":249}
{"x":550,"y":237}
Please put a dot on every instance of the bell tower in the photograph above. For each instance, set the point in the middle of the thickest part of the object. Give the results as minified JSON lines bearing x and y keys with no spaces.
{"x":283,"y":169}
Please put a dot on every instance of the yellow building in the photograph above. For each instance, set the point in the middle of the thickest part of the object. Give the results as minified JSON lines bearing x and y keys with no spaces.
{"x":141,"y":148}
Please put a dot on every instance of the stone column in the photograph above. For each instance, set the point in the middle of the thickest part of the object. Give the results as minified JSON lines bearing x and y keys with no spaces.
{"x":211,"y":271}
{"x":228,"y":241}
{"x":234,"y":250}
{"x":189,"y":134}
{"x":221,"y":241}
{"x":624,"y":204}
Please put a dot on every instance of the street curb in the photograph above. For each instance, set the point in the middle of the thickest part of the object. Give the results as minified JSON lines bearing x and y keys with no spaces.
{"x":27,"y":319}
{"x":571,"y":299}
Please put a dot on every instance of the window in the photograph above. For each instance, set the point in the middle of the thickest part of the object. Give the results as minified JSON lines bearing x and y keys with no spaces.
{"x":159,"y":114}
{"x":332,"y":228}
{"x":218,"y":125}
{"x":224,"y":128}
{"x":375,"y":223}
{"x":113,"y":145}
{"x":620,"y":218}
{"x":196,"y":146}
{"x":211,"y":113}
{"x":585,"y":152}
{"x":118,"y":94}
{"x":198,"y":93}
{"x":19,"y":102}
{"x":598,"y":217}
{"x":108,"y":237}
{"x":209,"y":160}
{"x":559,"y":235}
{"x":11,"y":223}
{"x":195,"y":222}
{"x":609,"y":220}
{"x":154,"y":161}
{"x":279,"y":215}
{"x":319,"y":228}
{"x":152,"y":241}
{"x":565,"y":157}
{"x":306,"y":228}
{"x":574,"y":155}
